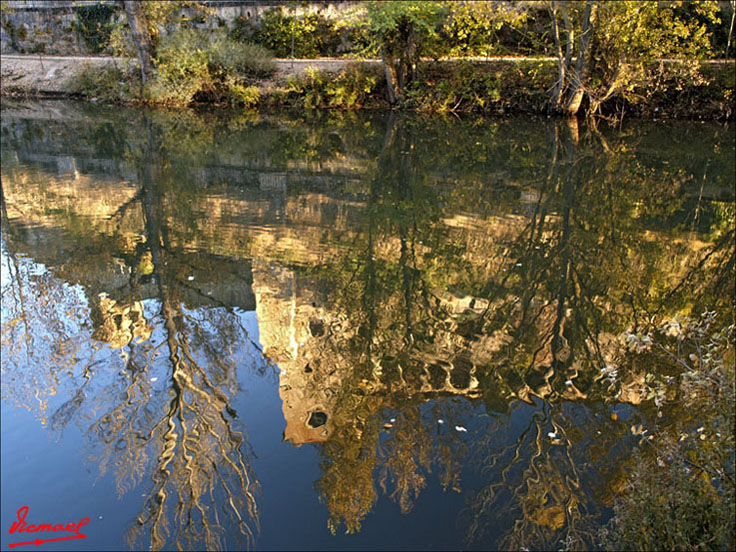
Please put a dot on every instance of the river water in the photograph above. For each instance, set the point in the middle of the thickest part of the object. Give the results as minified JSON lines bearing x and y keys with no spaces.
{"x":337,"y":331}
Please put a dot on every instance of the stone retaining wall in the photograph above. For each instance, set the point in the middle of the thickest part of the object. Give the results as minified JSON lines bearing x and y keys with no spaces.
{"x":40,"y":26}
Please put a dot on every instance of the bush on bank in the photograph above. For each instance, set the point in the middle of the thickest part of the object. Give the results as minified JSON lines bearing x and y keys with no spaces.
{"x":356,"y":87}
{"x":194,"y":66}
{"x":191,"y":67}
{"x":110,"y":84}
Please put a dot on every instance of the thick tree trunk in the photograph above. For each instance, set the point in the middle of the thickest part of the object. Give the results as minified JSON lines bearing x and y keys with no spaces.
{"x":135,"y":12}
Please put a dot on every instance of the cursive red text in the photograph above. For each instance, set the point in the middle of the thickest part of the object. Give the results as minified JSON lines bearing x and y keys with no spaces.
{"x":20,"y":526}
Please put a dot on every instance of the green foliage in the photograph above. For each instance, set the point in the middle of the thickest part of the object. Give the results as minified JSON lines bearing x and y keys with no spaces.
{"x":243,"y":60}
{"x":670,"y":509}
{"x":401,"y":30}
{"x":246,"y":96}
{"x":349,"y":89}
{"x":479,"y":28}
{"x":675,"y":89}
{"x":385,"y":18}
{"x":311,"y":34}
{"x":95,"y":24}
{"x":242,"y":30}
{"x":405,"y":30}
{"x":107,"y":84}
{"x":479,"y":86}
{"x":182,"y":68}
{"x":474,"y":28}
{"x":192,"y":65}
{"x":625,"y":39}
{"x":160,"y":15}
{"x":37,"y":48}
{"x":21,"y":32}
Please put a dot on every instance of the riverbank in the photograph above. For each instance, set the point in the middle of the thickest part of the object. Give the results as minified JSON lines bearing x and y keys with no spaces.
{"x":488,"y":85}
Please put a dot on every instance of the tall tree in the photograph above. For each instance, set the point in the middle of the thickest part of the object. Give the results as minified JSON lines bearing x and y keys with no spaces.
{"x":400,"y":28}
{"x":135,"y":11}
{"x":570,"y":89}
{"x":605,"y":49}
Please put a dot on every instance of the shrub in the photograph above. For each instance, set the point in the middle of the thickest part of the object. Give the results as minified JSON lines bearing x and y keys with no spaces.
{"x":478,"y":86}
{"x":669,"y":509}
{"x":247,"y":96}
{"x":242,"y":30}
{"x":108,"y":83}
{"x":37,"y":48}
{"x":181,"y":67}
{"x":192,"y":65}
{"x":350,"y":89}
{"x":239,"y":59}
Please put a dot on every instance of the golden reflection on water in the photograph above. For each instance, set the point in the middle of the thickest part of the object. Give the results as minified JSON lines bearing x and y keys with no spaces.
{"x":395,"y":291}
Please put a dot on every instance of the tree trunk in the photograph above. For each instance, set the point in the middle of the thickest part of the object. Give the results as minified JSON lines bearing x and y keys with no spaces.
{"x":392,"y":82}
{"x":564,"y":61}
{"x":408,"y":53}
{"x":577,"y":90}
{"x":399,"y":60}
{"x":730,"y":30}
{"x":559,"y":87}
{"x":135,"y":12}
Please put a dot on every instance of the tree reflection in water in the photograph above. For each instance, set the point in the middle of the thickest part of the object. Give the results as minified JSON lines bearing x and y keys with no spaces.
{"x":182,"y":434}
{"x":404,"y":273}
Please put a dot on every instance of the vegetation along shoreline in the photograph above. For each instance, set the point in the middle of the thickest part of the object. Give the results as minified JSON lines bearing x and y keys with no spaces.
{"x":610,"y":59}
{"x":492,"y":86}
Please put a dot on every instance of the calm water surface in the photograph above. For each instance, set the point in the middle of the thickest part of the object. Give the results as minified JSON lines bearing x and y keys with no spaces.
{"x":291,"y":331}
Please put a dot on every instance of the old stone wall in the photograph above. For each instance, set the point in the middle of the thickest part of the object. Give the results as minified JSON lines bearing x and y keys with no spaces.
{"x":30,"y":30}
{"x":41,"y":26}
